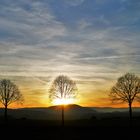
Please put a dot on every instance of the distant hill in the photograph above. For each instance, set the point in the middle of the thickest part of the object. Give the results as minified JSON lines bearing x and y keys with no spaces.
{"x":72,"y":112}
{"x":110,"y":109}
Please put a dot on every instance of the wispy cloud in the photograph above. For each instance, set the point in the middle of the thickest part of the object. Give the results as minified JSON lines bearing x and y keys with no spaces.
{"x":109,"y":57}
{"x":74,"y":2}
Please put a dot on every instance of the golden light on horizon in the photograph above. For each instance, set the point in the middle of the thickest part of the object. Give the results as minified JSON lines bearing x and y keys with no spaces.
{"x":63,"y":101}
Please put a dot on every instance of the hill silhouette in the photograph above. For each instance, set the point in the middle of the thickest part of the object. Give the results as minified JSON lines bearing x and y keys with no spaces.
{"x":72,"y":112}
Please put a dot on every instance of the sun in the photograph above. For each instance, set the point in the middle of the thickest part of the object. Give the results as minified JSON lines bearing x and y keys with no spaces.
{"x":63,"y":101}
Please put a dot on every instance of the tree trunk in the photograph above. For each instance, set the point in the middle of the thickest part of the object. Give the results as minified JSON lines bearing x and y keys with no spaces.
{"x":130,"y":113}
{"x":5,"y":113}
{"x":62,"y":115}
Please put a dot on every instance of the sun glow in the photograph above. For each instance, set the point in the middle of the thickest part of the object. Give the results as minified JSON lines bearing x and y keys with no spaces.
{"x":63,"y":101}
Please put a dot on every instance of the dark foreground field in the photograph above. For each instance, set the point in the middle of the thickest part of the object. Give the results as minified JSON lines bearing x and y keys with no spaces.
{"x":82,"y":129}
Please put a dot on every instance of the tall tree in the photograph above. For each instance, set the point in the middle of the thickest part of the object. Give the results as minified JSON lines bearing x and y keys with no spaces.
{"x":9,"y":93}
{"x":127,"y":89}
{"x":63,"y":88}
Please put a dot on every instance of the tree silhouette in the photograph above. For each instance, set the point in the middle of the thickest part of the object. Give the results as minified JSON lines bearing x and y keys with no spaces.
{"x":9,"y":93}
{"x":63,"y":88}
{"x":127,"y":89}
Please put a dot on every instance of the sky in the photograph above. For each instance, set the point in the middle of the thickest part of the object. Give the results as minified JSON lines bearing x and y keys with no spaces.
{"x":94,"y":42}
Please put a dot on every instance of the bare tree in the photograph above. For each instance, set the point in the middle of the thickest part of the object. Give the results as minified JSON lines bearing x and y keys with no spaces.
{"x":63,"y":88}
{"x":9,"y":93}
{"x":127,"y":89}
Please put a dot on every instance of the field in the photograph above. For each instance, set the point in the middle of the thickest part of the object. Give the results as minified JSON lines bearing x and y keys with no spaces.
{"x":82,"y":129}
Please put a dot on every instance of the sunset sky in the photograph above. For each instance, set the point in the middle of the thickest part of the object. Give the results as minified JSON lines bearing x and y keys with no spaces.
{"x":92,"y":41}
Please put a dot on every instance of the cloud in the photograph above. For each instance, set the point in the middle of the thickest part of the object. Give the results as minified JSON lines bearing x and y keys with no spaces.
{"x":83,"y":24}
{"x":75,"y":2}
{"x":38,"y":23}
{"x":109,"y":57}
